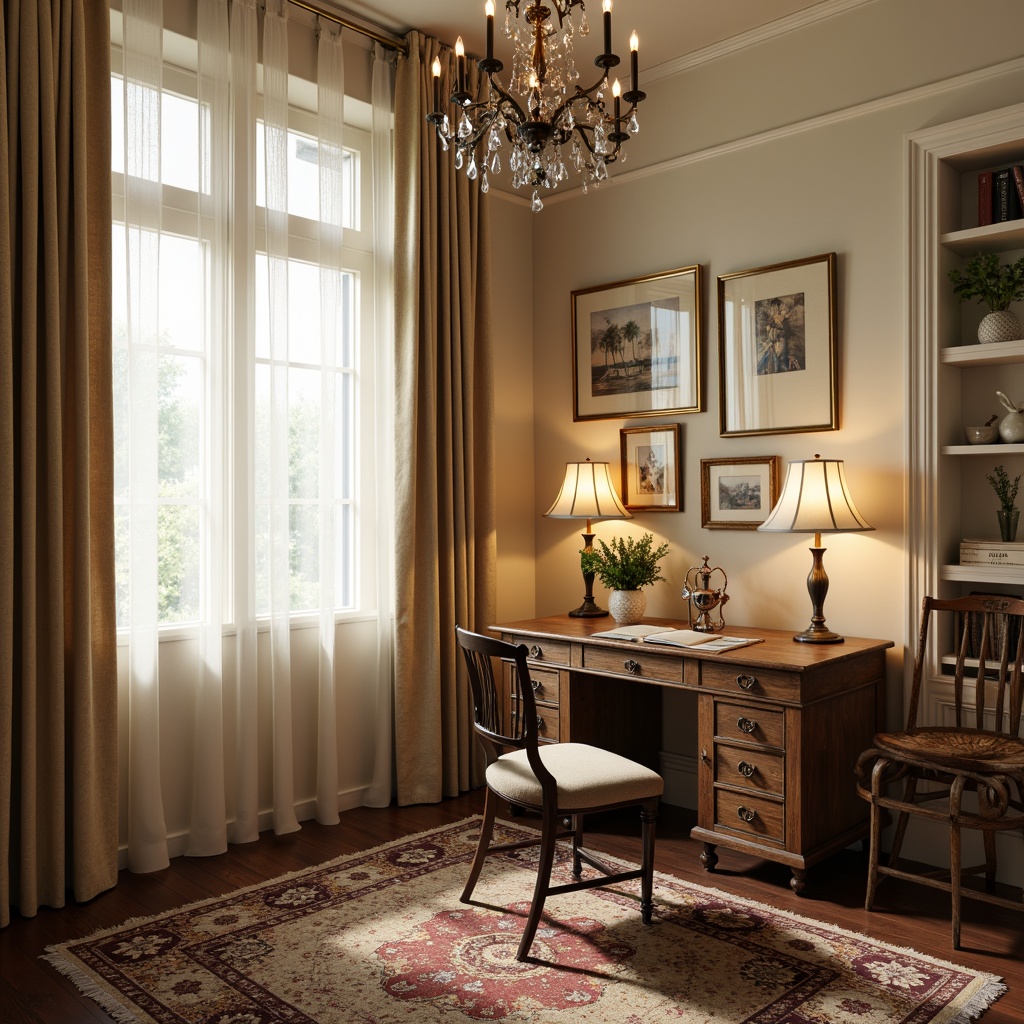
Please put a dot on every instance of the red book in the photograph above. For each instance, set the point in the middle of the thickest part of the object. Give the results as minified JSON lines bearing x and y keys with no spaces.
{"x":984,"y":198}
{"x":1018,"y":176}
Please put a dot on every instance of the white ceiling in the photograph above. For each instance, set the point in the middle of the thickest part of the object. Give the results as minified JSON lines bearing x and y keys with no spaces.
{"x":668,"y":29}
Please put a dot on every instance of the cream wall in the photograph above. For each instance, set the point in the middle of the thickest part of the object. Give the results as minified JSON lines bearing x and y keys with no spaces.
{"x":788,"y":149}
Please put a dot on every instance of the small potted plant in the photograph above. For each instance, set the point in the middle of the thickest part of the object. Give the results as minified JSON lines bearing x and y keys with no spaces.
{"x":996,"y":285}
{"x":625,"y":567}
{"x":1006,"y":492}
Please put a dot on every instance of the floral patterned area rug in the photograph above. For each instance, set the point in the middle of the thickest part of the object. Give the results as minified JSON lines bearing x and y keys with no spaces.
{"x":381,"y":937}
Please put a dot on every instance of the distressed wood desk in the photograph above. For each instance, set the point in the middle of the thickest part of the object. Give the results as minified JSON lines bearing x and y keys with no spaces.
{"x":780,"y":725}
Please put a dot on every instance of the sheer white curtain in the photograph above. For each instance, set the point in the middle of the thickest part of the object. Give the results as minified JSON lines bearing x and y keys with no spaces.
{"x":382,"y":102}
{"x":251,"y":498}
{"x":137,"y":354}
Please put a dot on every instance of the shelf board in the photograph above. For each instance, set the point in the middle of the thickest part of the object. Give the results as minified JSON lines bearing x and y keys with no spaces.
{"x":998,"y":353}
{"x":981,"y":449}
{"x":990,"y":238}
{"x":982,"y":574}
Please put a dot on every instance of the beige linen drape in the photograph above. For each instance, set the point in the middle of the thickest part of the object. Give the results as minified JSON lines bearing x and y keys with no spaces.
{"x":58,"y":693}
{"x":444,"y":497}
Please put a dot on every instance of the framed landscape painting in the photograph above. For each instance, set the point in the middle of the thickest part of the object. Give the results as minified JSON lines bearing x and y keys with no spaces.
{"x":738,"y":494}
{"x":650,"y":468}
{"x":637,"y":346}
{"x":777,"y":348}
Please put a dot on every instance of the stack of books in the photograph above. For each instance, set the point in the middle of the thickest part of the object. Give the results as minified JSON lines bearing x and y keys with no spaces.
{"x":994,"y":553}
{"x":1001,"y":195}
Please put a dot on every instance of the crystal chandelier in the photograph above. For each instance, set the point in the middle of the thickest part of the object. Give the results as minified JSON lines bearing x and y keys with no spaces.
{"x":552,"y":111}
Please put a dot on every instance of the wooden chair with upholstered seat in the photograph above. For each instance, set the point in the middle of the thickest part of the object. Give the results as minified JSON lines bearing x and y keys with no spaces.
{"x":557,"y":780}
{"x":946,"y":763}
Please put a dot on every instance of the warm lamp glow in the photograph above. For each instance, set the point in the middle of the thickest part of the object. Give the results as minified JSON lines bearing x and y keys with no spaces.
{"x":634,"y":41}
{"x":616,"y":89}
{"x":460,"y":47}
{"x":587,"y":493}
{"x":815,"y":499}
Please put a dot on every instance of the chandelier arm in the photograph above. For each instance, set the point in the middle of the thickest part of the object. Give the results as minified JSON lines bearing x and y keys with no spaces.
{"x":506,"y":98}
{"x":563,"y":8}
{"x":608,"y":158}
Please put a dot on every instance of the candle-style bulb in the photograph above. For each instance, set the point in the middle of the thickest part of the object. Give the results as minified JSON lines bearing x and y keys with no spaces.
{"x":616,"y":89}
{"x":489,"y":8}
{"x":489,"y":12}
{"x":606,"y":6}
{"x":634,"y":72}
{"x":435,"y":68}
{"x":460,"y":48}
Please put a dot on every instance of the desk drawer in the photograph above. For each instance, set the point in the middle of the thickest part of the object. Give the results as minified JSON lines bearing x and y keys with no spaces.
{"x":757,"y":682}
{"x":750,"y":769}
{"x":750,"y":815}
{"x":547,"y":721}
{"x":657,"y":667}
{"x":554,"y":652}
{"x":545,"y":684}
{"x":749,"y":724}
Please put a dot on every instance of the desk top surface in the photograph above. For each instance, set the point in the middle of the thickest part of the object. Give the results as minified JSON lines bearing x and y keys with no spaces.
{"x":779,"y":650}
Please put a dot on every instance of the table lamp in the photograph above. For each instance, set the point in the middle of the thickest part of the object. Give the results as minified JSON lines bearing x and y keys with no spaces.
{"x":587,"y":493}
{"x":815,"y":499}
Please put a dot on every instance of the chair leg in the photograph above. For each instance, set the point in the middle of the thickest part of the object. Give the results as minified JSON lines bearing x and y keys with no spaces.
{"x":482,"y":846}
{"x":875,"y":816}
{"x":577,"y":842}
{"x":648,"y":820}
{"x":549,"y":832}
{"x":955,"y":863}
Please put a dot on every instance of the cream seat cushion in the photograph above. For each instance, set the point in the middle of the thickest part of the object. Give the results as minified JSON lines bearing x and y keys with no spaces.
{"x":587,"y":777}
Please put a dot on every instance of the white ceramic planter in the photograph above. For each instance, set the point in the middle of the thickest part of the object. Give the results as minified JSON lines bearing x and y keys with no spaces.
{"x":627,"y":606}
{"x":1003,"y":325}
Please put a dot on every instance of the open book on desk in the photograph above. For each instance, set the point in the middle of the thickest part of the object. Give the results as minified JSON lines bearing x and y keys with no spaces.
{"x":709,"y":643}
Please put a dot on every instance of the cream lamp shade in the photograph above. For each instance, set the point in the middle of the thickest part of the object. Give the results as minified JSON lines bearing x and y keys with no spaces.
{"x":816,"y":499}
{"x":587,"y":493}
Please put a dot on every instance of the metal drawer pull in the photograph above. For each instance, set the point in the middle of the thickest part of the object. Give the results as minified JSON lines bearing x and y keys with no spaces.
{"x":745,"y":814}
{"x":632,"y":667}
{"x":746,"y":725}
{"x":540,"y":724}
{"x":537,"y":685}
{"x":746,"y":769}
{"x":536,"y":651}
{"x":746,"y":682}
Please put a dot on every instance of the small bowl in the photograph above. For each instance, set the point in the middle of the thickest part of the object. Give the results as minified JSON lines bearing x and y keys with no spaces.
{"x":982,"y":435}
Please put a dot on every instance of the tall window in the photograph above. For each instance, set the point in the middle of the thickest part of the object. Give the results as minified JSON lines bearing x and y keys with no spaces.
{"x":180,"y":338}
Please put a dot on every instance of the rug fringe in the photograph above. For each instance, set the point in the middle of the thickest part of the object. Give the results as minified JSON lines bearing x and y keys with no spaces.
{"x":89,"y":988}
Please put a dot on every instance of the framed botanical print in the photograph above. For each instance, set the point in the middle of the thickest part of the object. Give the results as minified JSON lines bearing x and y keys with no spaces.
{"x":777,"y":348}
{"x":650,"y":468}
{"x":637,"y":346}
{"x":738,"y":494}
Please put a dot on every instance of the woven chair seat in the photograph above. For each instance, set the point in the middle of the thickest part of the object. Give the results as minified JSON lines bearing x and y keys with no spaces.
{"x":961,"y":749}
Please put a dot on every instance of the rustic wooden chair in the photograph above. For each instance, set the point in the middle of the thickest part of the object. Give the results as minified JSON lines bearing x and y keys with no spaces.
{"x":985,"y":757}
{"x":559,"y":781}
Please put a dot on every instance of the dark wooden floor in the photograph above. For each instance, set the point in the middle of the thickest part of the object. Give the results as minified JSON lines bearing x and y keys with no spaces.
{"x":31,"y":992}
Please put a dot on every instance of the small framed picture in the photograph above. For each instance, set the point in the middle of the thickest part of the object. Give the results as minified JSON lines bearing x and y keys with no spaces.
{"x":738,"y":494}
{"x":777,"y":348}
{"x":650,"y":468}
{"x":636,"y":346}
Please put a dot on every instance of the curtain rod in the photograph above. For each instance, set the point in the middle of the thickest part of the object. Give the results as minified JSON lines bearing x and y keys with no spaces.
{"x":384,"y":40}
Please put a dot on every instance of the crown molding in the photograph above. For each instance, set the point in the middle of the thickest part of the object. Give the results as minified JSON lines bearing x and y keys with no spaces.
{"x":808,"y":124}
{"x":753,"y":37}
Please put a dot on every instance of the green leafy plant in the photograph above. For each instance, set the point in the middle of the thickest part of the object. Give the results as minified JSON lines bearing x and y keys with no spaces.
{"x":625,"y":564}
{"x":1005,"y":491}
{"x":986,"y":279}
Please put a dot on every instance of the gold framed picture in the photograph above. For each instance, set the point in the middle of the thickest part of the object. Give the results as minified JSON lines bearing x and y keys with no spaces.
{"x":637,"y":346}
{"x":777,"y":348}
{"x":738,"y":494}
{"x":650,"y":468}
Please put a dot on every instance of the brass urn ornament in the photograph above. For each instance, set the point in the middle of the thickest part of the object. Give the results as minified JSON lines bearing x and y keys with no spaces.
{"x":699,"y":593}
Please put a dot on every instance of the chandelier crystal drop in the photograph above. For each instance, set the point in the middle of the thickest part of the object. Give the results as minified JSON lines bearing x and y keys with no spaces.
{"x":544,"y":106}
